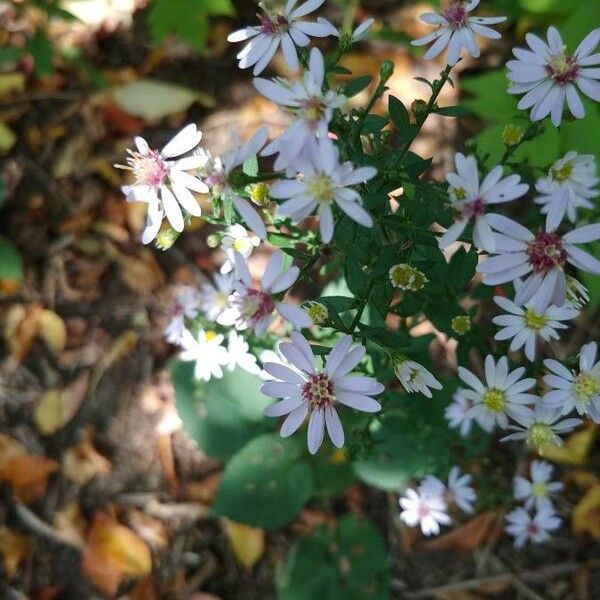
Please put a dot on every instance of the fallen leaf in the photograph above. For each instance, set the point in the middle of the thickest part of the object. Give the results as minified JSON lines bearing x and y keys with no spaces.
{"x":144,"y":589}
{"x":120,"y":120}
{"x":486,"y":527}
{"x":70,"y":523}
{"x":167,"y":99}
{"x":14,"y":547}
{"x":575,"y":449}
{"x":119,"y":349}
{"x":204,"y":491}
{"x":139,"y":272}
{"x":11,"y":82}
{"x":113,"y":552}
{"x":247,"y":543}
{"x":51,"y":328}
{"x":83,"y":462}
{"x":57,"y":407}
{"x":151,"y":530}
{"x":586,"y":515}
{"x":20,"y":329}
{"x":27,"y":475}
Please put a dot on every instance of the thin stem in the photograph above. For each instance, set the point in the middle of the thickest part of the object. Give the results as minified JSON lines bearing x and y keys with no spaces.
{"x":361,"y":309}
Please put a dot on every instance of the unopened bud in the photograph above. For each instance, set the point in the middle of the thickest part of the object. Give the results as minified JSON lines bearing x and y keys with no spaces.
{"x":386,"y":70}
{"x":259,"y":193}
{"x":213,"y":240}
{"x":166,"y":238}
{"x":512,"y":135}
{"x":419,"y":108}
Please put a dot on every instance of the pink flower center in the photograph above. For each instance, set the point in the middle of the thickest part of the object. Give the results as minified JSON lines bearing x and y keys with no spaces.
{"x":177,"y":309}
{"x":256,"y":305}
{"x":149,"y":169}
{"x":423,"y":510}
{"x":563,"y":68}
{"x":473,"y":209}
{"x":532,"y":528}
{"x":272,"y":25}
{"x":456,"y":15}
{"x":318,"y":391}
{"x":546,"y":252}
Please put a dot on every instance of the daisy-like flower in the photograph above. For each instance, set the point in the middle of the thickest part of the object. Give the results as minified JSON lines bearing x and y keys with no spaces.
{"x":458,"y":490}
{"x":504,"y":393}
{"x":456,"y":29}
{"x":406,"y":277}
{"x":540,"y":258}
{"x":524,"y":325}
{"x":415,"y":377}
{"x":469,"y":198}
{"x":525,"y":527}
{"x":549,"y":76}
{"x":575,"y":390}
{"x":540,"y":427}
{"x":312,"y":107}
{"x":255,"y":309}
{"x":162,"y":180}
{"x":186,"y":304}
{"x":428,"y":511}
{"x":325,"y":182}
{"x":307,"y":391}
{"x":237,"y":239}
{"x":206,"y":351}
{"x":457,"y":413}
{"x":360,"y":33}
{"x":538,"y":490}
{"x":279,"y":26}
{"x":214,"y":297}
{"x":239,"y":355}
{"x":216,"y":172}
{"x":568,"y":187}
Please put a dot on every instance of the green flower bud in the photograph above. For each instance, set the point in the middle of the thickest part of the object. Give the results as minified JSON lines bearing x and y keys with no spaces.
{"x":259,"y":193}
{"x":166,"y":238}
{"x":512,"y":135}
{"x":461,"y":324}
{"x":405,"y":277}
{"x":317,"y":312}
{"x":419,"y":108}
{"x":386,"y":70}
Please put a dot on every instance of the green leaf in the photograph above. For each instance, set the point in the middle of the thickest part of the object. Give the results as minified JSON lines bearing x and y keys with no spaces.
{"x":332,"y":471}
{"x":355,"y":278}
{"x":491,"y":99}
{"x":453,"y":111}
{"x":186,"y":19}
{"x":11,"y":263}
{"x":266,"y":484}
{"x":339,"y":303}
{"x":41,"y":50}
{"x":356,"y":86}
{"x":250,"y":166}
{"x":349,"y":563}
{"x":400,"y":117}
{"x":223,"y":414}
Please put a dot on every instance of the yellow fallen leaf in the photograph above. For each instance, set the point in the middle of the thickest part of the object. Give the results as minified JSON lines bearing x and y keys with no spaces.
{"x":14,"y":547}
{"x":11,"y":82}
{"x":113,"y":552}
{"x":247,"y":543}
{"x":575,"y":449}
{"x":56,"y":408}
{"x":51,"y":328}
{"x":7,"y":137}
{"x":586,"y":515}
{"x":83,"y":462}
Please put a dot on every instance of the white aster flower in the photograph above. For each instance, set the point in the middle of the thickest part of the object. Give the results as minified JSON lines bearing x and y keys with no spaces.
{"x":549,"y":76}
{"x":568,"y":187}
{"x":312,"y":108}
{"x":537,"y":491}
{"x":415,"y":377}
{"x":279,"y":26}
{"x":523,"y":325}
{"x":503,"y":393}
{"x":256,"y":309}
{"x":540,"y":258}
{"x":427,"y":511}
{"x":239,"y":355}
{"x":324,"y":182}
{"x":360,"y":33}
{"x":458,"y":490}
{"x":215,"y":172}
{"x":270,"y":356}
{"x":206,"y":351}
{"x":214,"y":297}
{"x":575,"y":390}
{"x":457,"y":413}
{"x":237,"y":239}
{"x":470,"y":198}
{"x":162,"y":181}
{"x":307,"y":391}
{"x":186,"y":304}
{"x":456,"y":29}
{"x":540,"y":427}
{"x":524,"y":527}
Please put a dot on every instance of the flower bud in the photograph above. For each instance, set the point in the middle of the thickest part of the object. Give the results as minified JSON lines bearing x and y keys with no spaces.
{"x":405,"y":277}
{"x":213,"y":240}
{"x":317,"y":312}
{"x":461,"y":324}
{"x":419,"y":108}
{"x":166,"y":238}
{"x":386,"y":70}
{"x":512,"y":135}
{"x":259,"y":193}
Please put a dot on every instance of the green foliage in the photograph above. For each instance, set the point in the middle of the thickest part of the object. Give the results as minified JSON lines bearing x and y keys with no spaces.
{"x":267,"y":483}
{"x":11,"y":263}
{"x":223,"y":414}
{"x":186,"y":19}
{"x":348,"y":563}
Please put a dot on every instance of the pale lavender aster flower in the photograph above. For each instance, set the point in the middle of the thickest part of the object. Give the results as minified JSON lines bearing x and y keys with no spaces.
{"x":537,"y":491}
{"x":525,"y":527}
{"x":185,"y":304}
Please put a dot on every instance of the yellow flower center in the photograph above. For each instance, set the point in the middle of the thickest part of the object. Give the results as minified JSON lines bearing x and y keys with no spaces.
{"x":534,"y":320}
{"x":539,"y":489}
{"x":321,"y":188}
{"x":564,"y":173}
{"x":461,"y":324}
{"x":539,"y":435}
{"x":210,"y":335}
{"x":459,"y":193}
{"x":405,"y":277}
{"x":512,"y":135}
{"x":317,"y":312}
{"x":495,"y":400}
{"x":586,"y":387}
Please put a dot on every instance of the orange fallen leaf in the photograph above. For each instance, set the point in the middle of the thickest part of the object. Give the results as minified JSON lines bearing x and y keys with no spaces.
{"x":247,"y":543}
{"x":27,"y":475}
{"x":20,"y":329}
{"x":113,"y":552}
{"x":575,"y":450}
{"x":56,"y":408}
{"x":486,"y":527}
{"x":14,"y":547}
{"x":586,"y":515}
{"x":83,"y":462}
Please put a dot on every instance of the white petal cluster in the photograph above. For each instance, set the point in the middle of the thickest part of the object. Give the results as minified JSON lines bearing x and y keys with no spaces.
{"x":537,"y":491}
{"x":536,"y":529}
{"x":415,"y":377}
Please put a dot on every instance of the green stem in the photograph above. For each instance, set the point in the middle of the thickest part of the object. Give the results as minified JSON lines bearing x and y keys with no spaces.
{"x":361,"y":309}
